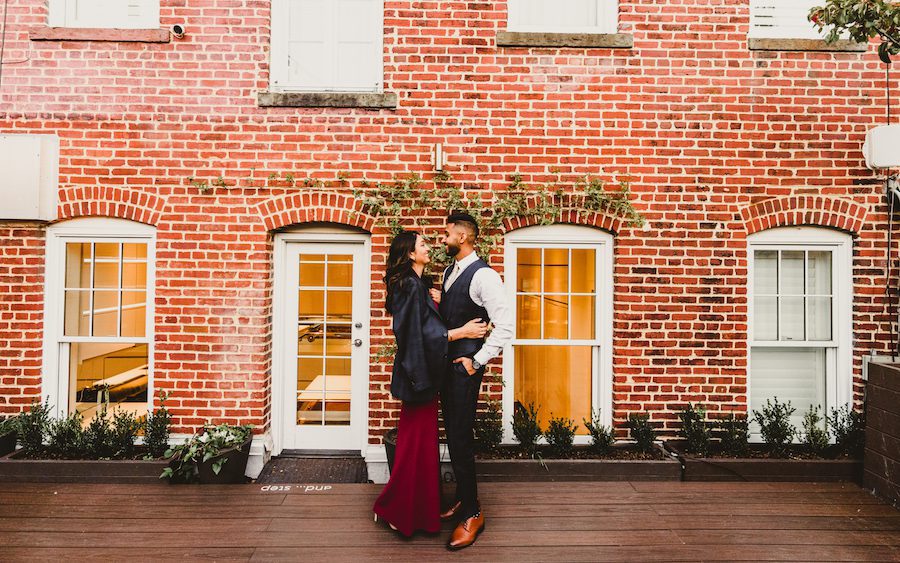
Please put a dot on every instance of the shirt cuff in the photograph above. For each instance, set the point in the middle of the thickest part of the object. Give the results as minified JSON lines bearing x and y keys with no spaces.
{"x":482,"y":357}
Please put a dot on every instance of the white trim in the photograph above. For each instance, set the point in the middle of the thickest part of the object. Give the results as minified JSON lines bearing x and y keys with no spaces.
{"x":362,"y":308}
{"x":550,"y":236}
{"x":54,"y":385}
{"x":839,"y":350}
{"x":607,"y":15}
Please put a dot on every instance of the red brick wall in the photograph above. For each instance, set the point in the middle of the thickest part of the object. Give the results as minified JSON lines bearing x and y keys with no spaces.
{"x":702,"y":127}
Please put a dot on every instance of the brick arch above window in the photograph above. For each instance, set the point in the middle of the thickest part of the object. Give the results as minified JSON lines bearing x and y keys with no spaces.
{"x":121,"y":203}
{"x":572,"y":213}
{"x":308,"y":207}
{"x":795,"y":211}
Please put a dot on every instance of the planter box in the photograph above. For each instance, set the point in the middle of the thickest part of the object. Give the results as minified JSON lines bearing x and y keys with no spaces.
{"x":667,"y":469}
{"x":13,"y":470}
{"x":764,"y":469}
{"x":233,"y":470}
{"x":8,"y":442}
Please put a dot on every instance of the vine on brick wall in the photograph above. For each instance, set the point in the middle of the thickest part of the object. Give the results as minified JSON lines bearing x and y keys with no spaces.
{"x":410,"y":204}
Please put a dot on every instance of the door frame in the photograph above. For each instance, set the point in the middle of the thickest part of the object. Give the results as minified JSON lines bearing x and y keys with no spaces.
{"x":318,"y":234}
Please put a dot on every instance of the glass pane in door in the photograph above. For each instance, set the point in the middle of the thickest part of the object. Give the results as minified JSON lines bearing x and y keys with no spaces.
{"x":324,"y":313}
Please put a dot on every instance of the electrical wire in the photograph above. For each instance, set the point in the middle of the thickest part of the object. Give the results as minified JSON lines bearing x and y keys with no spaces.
{"x":3,"y":41}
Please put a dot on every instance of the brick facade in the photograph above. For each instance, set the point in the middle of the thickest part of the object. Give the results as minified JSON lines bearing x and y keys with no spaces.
{"x":717,"y":142}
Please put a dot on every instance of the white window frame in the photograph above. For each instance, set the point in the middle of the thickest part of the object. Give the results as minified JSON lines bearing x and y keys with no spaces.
{"x":607,"y":11}
{"x":278,"y":54}
{"x":55,"y":380}
{"x":565,"y":236}
{"x":760,"y":30}
{"x":62,"y":14}
{"x":839,"y":350}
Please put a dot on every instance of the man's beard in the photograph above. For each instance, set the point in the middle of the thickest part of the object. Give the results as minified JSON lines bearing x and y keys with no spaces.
{"x":452,"y":250}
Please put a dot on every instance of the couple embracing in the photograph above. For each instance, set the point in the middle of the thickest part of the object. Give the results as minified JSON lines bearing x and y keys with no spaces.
{"x":442,"y":348}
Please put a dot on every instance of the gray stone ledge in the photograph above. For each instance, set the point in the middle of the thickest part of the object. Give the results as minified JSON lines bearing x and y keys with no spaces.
{"x":371,"y":100}
{"x":760,"y":44}
{"x":47,"y":33}
{"x":592,"y":40}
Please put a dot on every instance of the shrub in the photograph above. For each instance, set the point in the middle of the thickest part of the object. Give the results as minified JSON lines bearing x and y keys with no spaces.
{"x":98,"y":439}
{"x":125,"y":427}
{"x":156,"y":429}
{"x":734,"y":434}
{"x":849,"y":430}
{"x":601,"y":436}
{"x":8,"y":425}
{"x":66,"y":438}
{"x":815,"y":433}
{"x":642,"y":431}
{"x":560,"y":435}
{"x":695,"y":429}
{"x":207,"y":444}
{"x":775,"y":426}
{"x":526,"y":427}
{"x":34,"y":428}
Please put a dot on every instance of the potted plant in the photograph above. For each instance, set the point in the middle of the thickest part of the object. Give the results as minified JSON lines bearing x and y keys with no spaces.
{"x":9,"y":433}
{"x":215,"y":455}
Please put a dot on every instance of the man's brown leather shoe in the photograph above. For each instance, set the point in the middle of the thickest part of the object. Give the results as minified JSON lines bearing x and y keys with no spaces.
{"x":452,"y":511}
{"x":467,"y":532}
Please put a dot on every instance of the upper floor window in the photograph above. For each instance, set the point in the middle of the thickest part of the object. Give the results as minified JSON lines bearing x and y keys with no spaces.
{"x":564,"y":16}
{"x":327,"y":45}
{"x":782,"y":19}
{"x":119,"y":14}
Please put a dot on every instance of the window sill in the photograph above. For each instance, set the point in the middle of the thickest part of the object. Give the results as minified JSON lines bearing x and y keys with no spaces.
{"x":761,"y":44}
{"x":368,"y":100}
{"x":46,"y":33}
{"x":582,"y":40}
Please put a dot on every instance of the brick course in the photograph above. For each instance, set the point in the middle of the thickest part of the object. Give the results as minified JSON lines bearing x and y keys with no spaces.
{"x":717,"y":142}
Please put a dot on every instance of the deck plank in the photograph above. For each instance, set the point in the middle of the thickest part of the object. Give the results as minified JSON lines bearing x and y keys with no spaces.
{"x":637,"y":521}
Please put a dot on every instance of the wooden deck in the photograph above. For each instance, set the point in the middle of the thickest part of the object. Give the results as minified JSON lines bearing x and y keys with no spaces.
{"x":669,"y":521}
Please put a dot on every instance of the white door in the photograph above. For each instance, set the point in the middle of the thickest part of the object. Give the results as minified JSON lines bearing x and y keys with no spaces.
{"x":325,"y":346}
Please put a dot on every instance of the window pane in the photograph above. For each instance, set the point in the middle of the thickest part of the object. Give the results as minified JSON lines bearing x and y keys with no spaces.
{"x":106,"y":274}
{"x":78,"y":267}
{"x":310,"y":339}
{"x":106,"y":251}
{"x":106,"y":313}
{"x":583,"y":317}
{"x":340,"y":275}
{"x":584,"y":271}
{"x":819,"y":273}
{"x":134,"y":275}
{"x":790,"y":374}
{"x":311,"y":304}
{"x":528,"y":316}
{"x":765,"y":318}
{"x":312,"y":274}
{"x":310,"y":390}
{"x":134,"y":251}
{"x":108,"y":373}
{"x":555,"y":378}
{"x":340,"y":305}
{"x":337,"y":342}
{"x":556,"y":316}
{"x":792,"y":318}
{"x":556,"y":270}
{"x":765,"y":272}
{"x":819,"y":310}
{"x":528,"y":270}
{"x":792,"y":274}
{"x":77,"y":314}
{"x":134,"y":313}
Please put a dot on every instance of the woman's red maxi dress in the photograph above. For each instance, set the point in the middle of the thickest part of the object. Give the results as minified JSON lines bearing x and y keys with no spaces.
{"x":411,"y":499}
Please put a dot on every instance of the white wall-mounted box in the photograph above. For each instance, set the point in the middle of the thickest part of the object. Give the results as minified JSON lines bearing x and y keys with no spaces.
{"x":882,"y":147}
{"x":29,"y":176}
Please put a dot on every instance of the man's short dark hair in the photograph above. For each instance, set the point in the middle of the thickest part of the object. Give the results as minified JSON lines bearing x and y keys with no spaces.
{"x":460,"y":218}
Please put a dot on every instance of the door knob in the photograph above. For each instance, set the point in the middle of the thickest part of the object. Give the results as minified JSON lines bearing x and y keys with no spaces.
{"x":358,"y":325}
{"x":357,"y":342}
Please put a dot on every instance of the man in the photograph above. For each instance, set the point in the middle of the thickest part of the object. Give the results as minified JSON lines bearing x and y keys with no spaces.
{"x":471,"y":290}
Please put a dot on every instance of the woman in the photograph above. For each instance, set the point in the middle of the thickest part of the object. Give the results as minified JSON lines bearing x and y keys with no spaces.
{"x":411,"y":499}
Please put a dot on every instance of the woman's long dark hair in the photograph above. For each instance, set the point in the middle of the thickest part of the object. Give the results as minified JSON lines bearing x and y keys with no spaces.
{"x":399,"y":265}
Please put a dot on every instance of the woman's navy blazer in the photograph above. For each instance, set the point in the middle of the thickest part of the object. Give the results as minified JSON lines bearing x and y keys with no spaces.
{"x":421,"y":360}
